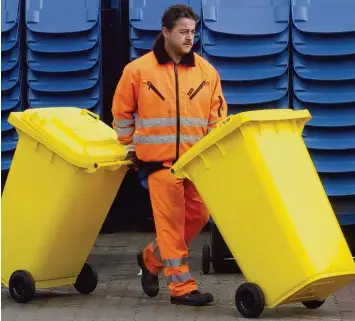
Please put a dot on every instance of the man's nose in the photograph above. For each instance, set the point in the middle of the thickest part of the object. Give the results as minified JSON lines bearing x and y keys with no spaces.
{"x":190,"y":36}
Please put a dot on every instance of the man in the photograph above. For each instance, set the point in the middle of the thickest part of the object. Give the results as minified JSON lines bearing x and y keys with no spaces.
{"x":165,"y":102}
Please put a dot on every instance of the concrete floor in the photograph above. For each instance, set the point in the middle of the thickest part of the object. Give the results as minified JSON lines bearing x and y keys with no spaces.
{"x":119,"y":295}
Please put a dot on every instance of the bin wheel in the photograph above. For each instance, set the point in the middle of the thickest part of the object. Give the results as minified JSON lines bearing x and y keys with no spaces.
{"x":87,"y":280}
{"x":225,"y":266}
{"x":313,"y":304}
{"x":206,"y":257}
{"x":249,"y":300}
{"x":22,"y":286}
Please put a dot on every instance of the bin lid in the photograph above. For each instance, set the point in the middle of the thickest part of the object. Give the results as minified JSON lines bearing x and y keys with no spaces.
{"x":75,"y":134}
{"x":234,"y":122}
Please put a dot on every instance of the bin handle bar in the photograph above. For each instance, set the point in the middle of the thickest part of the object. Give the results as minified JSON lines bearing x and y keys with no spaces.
{"x":113,"y":164}
{"x":85,"y":112}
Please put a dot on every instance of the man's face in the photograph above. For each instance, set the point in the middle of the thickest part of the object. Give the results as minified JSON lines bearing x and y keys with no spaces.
{"x":181,"y":37}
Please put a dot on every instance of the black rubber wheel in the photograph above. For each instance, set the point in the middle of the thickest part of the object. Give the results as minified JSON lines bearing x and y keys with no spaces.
{"x":22,"y":286}
{"x":206,"y":257}
{"x":249,"y":300}
{"x":87,"y":280}
{"x":225,"y":266}
{"x":313,"y":304}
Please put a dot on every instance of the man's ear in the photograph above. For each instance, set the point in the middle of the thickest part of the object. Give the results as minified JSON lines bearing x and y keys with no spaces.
{"x":165,"y":32}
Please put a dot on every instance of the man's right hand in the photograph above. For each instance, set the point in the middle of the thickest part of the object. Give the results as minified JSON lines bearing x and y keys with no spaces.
{"x":131,"y":155}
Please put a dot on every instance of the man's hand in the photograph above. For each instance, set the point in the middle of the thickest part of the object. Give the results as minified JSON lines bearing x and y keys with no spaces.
{"x":131,"y":155}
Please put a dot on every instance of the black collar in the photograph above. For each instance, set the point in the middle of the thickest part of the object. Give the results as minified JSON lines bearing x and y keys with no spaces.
{"x":163,"y":58}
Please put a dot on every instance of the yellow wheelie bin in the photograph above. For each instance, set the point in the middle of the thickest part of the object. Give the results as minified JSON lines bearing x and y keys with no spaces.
{"x":66,"y":171}
{"x":259,"y":183}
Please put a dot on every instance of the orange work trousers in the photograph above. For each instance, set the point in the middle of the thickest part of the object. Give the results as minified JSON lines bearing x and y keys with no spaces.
{"x":179,"y":216}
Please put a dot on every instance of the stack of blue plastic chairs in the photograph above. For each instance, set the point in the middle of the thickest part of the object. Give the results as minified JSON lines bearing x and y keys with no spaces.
{"x":323,"y":34}
{"x":247,"y":42}
{"x":145,"y":23}
{"x":11,"y":76}
{"x":64,"y":54}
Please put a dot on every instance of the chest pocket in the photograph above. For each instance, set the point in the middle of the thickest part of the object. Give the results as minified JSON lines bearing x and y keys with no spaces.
{"x":199,"y":97}
{"x":152,"y":100}
{"x":193,"y":93}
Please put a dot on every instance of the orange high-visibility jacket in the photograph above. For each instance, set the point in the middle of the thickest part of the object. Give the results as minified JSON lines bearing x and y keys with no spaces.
{"x":165,"y":108}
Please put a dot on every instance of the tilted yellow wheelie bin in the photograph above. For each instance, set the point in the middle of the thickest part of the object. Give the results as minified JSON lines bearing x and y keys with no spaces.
{"x":65,"y":174}
{"x":259,"y":183}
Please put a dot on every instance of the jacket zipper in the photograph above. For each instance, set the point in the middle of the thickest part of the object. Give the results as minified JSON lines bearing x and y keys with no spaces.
{"x":197,"y":90}
{"x":177,"y":112}
{"x":151,"y":86}
{"x":220,"y":106}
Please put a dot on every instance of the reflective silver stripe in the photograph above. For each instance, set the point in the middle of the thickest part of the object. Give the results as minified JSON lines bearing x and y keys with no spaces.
{"x":123,"y":122}
{"x":190,"y":138}
{"x":174,"y":262}
{"x":166,"y":139}
{"x":156,"y":250}
{"x":125,"y":131}
{"x":160,"y":122}
{"x":183,"y":277}
{"x":194,"y":122}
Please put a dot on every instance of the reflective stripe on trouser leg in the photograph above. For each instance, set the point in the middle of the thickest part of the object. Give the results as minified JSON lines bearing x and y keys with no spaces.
{"x":174,"y":262}
{"x":152,"y":258}
{"x":156,"y":250}
{"x":182,"y":277}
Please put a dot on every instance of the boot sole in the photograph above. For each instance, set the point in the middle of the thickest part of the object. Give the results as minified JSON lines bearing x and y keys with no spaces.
{"x":189,"y":303}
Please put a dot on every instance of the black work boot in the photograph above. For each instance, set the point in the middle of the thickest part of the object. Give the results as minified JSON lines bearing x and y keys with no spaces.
{"x":150,"y":282}
{"x":193,"y":298}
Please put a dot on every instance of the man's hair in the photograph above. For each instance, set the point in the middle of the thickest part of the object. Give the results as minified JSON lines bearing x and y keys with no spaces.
{"x":174,"y":13}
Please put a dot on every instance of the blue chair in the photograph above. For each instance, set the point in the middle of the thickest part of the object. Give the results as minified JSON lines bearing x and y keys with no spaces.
{"x":335,"y":92}
{"x":83,"y":99}
{"x":333,"y":161}
{"x":9,"y":14}
{"x":11,"y":98}
{"x":5,"y":125}
{"x":10,"y":38}
{"x":324,"y":16}
{"x":9,"y":141}
{"x":328,"y":115}
{"x":265,"y":18}
{"x":58,"y":62}
{"x":65,"y":42}
{"x":64,"y":16}
{"x":255,"y":92}
{"x":10,"y":58}
{"x":341,"y":138}
{"x":64,"y":81}
{"x":321,"y":45}
{"x":7,"y":154}
{"x":10,"y":78}
{"x":239,"y":46}
{"x":338,"y":184}
{"x":324,"y":68}
{"x":253,"y":68}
